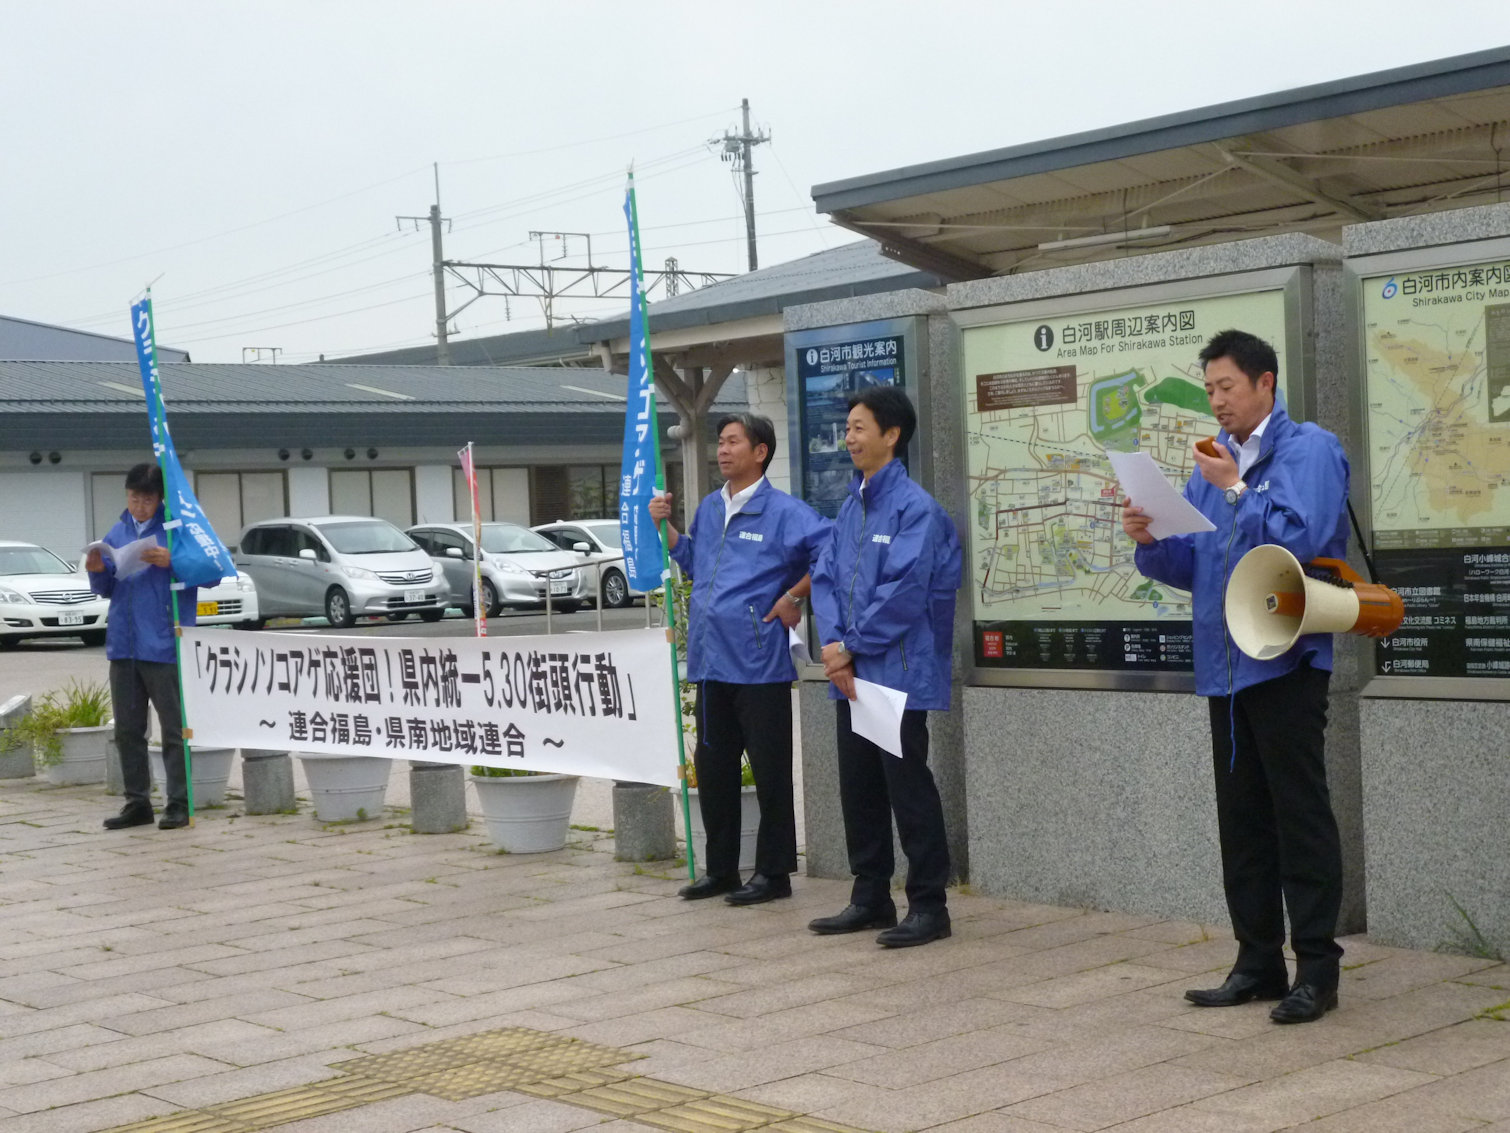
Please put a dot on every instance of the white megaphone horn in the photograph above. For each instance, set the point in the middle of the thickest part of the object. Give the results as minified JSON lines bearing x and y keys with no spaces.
{"x":1272,"y":601}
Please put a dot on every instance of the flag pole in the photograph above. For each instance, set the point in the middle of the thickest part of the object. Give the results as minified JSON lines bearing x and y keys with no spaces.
{"x":642,"y":343}
{"x":480,"y":614}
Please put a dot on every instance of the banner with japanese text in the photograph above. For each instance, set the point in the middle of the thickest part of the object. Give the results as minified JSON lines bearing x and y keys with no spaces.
{"x":580,"y":704}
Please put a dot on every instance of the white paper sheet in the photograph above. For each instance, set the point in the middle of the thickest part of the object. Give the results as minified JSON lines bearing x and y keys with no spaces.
{"x":128,"y":559}
{"x":1145,"y":485}
{"x":876,"y":714}
{"x":798,"y":647}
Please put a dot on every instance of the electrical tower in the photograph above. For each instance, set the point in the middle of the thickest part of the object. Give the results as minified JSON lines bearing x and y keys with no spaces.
{"x":442,"y":344}
{"x":736,"y":149}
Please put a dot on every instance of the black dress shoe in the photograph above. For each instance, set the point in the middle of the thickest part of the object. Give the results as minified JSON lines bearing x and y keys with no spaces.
{"x":1240,"y":988}
{"x":916,"y":928}
{"x":1305,"y":1004}
{"x":855,"y":918}
{"x":760,"y":889}
{"x":708,"y":886}
{"x":132,"y":814}
{"x":173,"y":819}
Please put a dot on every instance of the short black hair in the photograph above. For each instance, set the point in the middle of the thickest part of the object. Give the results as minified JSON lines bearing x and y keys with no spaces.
{"x":758,"y":431}
{"x":1249,"y":353}
{"x":891,"y":408}
{"x":145,"y":478}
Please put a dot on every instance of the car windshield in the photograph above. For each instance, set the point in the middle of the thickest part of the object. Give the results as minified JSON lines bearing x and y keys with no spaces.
{"x":369,"y":537}
{"x":508,"y":539}
{"x":31,"y":560}
{"x":606,"y":533}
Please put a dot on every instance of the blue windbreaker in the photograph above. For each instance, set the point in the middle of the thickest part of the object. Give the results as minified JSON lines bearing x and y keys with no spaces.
{"x":141,"y":608}
{"x":886,"y":585}
{"x":738,"y":572}
{"x":1297,"y":498}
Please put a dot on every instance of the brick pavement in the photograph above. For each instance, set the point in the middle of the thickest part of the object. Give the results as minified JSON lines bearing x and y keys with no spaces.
{"x":145,"y":974}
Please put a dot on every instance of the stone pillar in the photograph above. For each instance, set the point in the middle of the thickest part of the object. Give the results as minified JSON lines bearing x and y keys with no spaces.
{"x":17,"y":762}
{"x":115,"y":778}
{"x":644,"y":824}
{"x":267,"y":781}
{"x":437,"y":798}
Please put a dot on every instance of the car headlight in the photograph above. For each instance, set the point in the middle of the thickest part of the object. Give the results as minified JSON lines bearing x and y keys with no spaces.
{"x":244,"y":582}
{"x":14,"y":596}
{"x":509,"y":568}
{"x":360,"y":572}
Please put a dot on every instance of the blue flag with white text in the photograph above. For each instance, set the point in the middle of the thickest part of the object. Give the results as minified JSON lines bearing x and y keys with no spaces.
{"x":640,"y":472}
{"x":199,"y":557}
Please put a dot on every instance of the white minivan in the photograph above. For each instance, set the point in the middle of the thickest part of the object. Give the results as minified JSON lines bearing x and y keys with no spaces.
{"x":342,"y":566}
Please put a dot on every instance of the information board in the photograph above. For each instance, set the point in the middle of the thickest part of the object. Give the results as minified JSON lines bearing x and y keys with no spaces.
{"x":1436,"y":346}
{"x":1051,"y":572}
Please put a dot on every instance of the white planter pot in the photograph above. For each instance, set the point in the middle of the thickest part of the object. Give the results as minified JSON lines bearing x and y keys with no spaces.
{"x":83,"y":757}
{"x":346,"y":787}
{"x":749,"y":827}
{"x":210,"y":771}
{"x":526,"y":814}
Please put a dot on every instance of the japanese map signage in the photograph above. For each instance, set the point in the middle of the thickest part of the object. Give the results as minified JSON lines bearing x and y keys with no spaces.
{"x":1051,"y":574}
{"x":1436,"y":348}
{"x":830,"y":365}
{"x":584,"y":704}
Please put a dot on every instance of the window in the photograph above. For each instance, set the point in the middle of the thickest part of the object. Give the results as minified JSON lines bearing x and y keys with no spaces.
{"x":503,"y":494}
{"x":387,"y":493}
{"x":231,"y":500}
{"x":306,"y":541}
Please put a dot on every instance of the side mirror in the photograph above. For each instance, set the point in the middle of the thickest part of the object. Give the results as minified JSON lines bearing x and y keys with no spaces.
{"x":581,"y":548}
{"x":454,"y":553}
{"x":308,"y":554}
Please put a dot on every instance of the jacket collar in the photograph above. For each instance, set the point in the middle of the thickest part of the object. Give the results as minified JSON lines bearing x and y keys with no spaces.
{"x":756,"y":503}
{"x":1279,"y":422}
{"x":887,"y":475}
{"x":156,"y":522}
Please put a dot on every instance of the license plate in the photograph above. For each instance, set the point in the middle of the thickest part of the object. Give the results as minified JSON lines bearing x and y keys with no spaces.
{"x":207,"y":609}
{"x":70,"y":619}
{"x":562,"y":587}
{"x":412,"y":596}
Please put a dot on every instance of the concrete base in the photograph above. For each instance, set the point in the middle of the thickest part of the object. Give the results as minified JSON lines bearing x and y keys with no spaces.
{"x":1436,"y":805}
{"x":267,"y":781}
{"x":115,"y":778}
{"x":644,"y":823}
{"x":437,"y":798}
{"x":16,"y":763}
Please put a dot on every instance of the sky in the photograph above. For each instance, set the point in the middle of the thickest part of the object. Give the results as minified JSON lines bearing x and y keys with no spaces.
{"x":248,"y":158}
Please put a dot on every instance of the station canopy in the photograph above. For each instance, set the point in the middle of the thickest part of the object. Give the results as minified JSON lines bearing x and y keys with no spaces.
{"x":1417,"y":139}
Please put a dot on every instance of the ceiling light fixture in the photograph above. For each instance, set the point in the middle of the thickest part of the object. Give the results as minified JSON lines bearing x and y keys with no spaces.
{"x":1131,"y":236}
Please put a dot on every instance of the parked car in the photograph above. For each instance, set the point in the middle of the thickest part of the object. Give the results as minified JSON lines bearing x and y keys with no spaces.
{"x":43,"y":596}
{"x":517,"y":565}
{"x":604,"y":552}
{"x":231,"y":601}
{"x":342,"y":566}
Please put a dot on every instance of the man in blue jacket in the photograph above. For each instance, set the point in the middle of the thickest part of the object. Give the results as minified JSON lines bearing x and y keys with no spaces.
{"x":749,"y":549}
{"x":1273,"y":480}
{"x":143,"y":658}
{"x":883,"y":595}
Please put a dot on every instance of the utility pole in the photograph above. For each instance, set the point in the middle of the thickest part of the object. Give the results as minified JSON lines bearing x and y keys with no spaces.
{"x":438,"y":257}
{"x":736,"y":148}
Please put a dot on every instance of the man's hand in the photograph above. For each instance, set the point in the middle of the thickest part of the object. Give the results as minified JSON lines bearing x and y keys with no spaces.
{"x":157,"y":556}
{"x":1220,"y":471}
{"x":1135,"y":523}
{"x":660,"y":507}
{"x":839,"y":667}
{"x":94,"y":562}
{"x":788,"y":611}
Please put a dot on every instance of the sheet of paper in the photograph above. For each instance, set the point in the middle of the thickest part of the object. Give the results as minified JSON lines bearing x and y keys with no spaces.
{"x":798,"y":647}
{"x":1145,"y":485}
{"x":876,"y":714}
{"x":128,"y":559}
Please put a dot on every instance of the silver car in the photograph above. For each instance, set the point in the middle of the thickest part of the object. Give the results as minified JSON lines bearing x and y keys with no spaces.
{"x":342,"y":566}
{"x":517,"y":566}
{"x":601,"y":551}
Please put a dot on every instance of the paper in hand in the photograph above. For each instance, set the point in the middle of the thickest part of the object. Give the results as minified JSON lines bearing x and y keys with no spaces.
{"x":797,"y":645}
{"x":876,"y":713}
{"x":128,"y":559}
{"x":1170,"y":512}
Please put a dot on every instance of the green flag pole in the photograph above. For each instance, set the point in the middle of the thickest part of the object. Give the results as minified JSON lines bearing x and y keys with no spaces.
{"x":667,"y":596}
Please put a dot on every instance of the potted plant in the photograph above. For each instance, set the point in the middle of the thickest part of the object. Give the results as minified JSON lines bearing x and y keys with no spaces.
{"x":209,"y":772}
{"x":526,"y":812}
{"x":749,"y":814}
{"x":346,"y":788}
{"x":67,"y":730}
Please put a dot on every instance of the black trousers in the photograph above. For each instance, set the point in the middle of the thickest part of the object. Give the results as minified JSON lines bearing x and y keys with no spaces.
{"x":1280,"y":848}
{"x":133,"y":684}
{"x":874,"y":785}
{"x":733,"y":719}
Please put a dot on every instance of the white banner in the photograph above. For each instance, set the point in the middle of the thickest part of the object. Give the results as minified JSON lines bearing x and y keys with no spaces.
{"x":580,"y":704}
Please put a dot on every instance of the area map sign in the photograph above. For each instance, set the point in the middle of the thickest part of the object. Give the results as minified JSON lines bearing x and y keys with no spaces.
{"x":1051,"y":573}
{"x":1436,"y":347}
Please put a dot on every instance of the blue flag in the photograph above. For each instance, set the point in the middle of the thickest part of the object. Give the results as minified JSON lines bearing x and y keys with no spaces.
{"x":199,"y":557}
{"x":640,"y":472}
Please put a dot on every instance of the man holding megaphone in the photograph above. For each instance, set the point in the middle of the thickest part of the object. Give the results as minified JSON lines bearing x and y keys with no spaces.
{"x":1265,"y":480}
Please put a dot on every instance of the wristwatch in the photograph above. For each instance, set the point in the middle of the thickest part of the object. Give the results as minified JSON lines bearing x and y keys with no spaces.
{"x":1235,"y":492}
{"x":793,"y":599}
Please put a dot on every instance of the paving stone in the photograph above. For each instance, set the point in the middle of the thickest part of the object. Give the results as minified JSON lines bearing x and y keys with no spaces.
{"x":75,"y":1088}
{"x":1124,"y":1097}
{"x":1315,"y":1092}
{"x":1450,"y":1050}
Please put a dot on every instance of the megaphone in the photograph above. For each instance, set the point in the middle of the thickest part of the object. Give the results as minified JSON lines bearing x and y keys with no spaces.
{"x":1272,"y":600}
